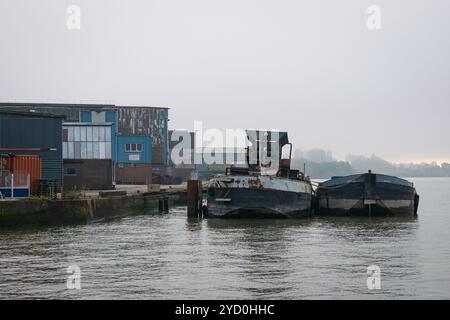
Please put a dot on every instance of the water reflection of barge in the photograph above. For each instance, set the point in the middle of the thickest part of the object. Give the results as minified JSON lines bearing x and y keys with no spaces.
{"x":261,"y":190}
{"x":366,"y":194}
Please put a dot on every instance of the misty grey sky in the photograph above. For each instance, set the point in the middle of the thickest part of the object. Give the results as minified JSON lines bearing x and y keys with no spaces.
{"x":309,"y":67}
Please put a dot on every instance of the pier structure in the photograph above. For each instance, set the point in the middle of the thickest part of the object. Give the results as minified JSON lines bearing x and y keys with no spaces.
{"x":89,"y":207}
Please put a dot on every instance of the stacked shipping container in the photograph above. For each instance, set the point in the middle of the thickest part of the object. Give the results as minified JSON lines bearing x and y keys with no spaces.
{"x":30,"y":165}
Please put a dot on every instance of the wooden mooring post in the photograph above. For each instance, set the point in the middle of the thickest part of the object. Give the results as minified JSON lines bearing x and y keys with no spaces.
{"x":163,"y":204}
{"x":194,"y":198}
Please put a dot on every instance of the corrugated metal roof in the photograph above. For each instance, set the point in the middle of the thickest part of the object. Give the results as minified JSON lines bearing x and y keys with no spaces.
{"x":87,"y":124}
{"x":74,"y":105}
{"x":30,"y":114}
{"x":39,"y":104}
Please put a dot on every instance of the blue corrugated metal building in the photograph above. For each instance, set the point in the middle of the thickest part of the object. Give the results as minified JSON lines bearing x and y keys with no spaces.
{"x":134,"y":149}
{"x":34,"y":134}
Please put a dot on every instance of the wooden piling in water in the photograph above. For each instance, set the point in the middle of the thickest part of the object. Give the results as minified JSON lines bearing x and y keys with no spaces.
{"x":163,"y":204}
{"x":194,"y":198}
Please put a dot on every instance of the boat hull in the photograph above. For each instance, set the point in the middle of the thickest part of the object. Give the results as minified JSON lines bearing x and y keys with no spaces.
{"x":256,"y":197}
{"x":368,"y":194}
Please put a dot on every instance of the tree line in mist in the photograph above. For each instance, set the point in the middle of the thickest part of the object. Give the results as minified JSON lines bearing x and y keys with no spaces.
{"x":320,"y":164}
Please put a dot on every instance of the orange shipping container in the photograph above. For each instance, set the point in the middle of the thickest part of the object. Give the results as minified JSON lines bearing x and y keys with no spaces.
{"x":30,"y":164}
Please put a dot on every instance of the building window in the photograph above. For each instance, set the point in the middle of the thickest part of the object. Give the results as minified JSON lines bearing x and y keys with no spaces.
{"x":70,"y":172}
{"x":70,"y":135}
{"x":133,"y":147}
{"x":87,"y":142}
{"x":65,"y":135}
{"x":134,"y":157}
{"x":83,"y":131}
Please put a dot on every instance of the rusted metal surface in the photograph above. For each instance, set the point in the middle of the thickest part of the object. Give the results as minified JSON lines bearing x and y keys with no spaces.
{"x":143,"y":121}
{"x":194,"y":191}
{"x":261,"y":182}
{"x":266,"y":188}
{"x":88,"y":174}
{"x":29,"y":164}
{"x":134,"y":173}
{"x":255,"y":183}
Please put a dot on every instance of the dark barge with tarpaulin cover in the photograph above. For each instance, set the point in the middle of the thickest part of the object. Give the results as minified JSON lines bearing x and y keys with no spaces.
{"x":366,"y":194}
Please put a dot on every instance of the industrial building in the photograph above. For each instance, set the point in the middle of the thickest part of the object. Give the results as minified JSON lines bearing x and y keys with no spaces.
{"x":139,"y":136}
{"x":87,"y":156}
{"x":30,"y":149}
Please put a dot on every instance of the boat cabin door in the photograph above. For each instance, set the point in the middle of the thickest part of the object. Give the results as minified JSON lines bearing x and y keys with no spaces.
{"x":286,"y":157}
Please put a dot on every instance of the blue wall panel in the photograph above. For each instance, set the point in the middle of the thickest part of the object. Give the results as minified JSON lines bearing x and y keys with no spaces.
{"x":86,"y":116}
{"x":144,"y":157}
{"x":18,"y":192}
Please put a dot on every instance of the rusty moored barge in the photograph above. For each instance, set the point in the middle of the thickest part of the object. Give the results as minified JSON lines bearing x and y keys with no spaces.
{"x":240,"y":196}
{"x":263,"y":189}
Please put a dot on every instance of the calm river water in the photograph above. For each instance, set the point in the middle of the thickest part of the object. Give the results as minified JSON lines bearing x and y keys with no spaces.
{"x":171,"y":257}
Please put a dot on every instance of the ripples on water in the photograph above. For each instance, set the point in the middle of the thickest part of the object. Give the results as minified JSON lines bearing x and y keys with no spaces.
{"x":168,"y":256}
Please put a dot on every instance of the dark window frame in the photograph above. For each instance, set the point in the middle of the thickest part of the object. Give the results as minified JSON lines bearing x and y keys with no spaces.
{"x":65,"y":135}
{"x":134,"y":147}
{"x":70,"y":172}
